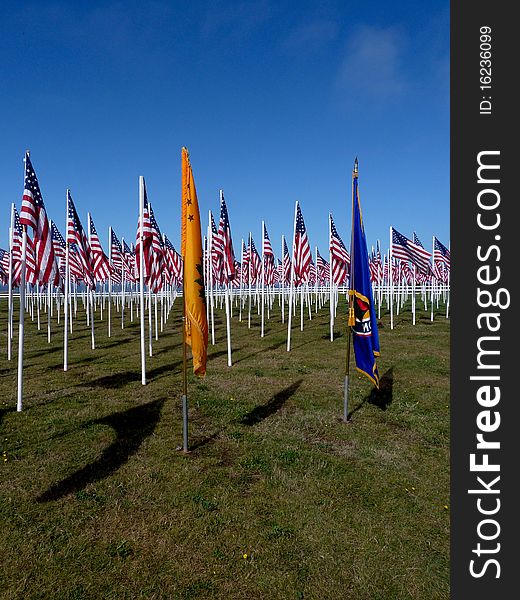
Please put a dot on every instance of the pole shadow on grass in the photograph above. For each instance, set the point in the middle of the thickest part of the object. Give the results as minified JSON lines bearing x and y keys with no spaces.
{"x":132,"y":427}
{"x":382,"y":397}
{"x":119,"y":380}
{"x":261,"y":412}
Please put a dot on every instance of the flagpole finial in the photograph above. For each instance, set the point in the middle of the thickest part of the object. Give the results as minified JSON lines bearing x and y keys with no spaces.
{"x":355,"y":172}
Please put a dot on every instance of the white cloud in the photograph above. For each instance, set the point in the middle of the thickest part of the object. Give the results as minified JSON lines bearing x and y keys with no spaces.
{"x":371,"y":68}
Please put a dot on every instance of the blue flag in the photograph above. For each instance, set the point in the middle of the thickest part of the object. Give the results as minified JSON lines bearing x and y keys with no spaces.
{"x":362,"y":316}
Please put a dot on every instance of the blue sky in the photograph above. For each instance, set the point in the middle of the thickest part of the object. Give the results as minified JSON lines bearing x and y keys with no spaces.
{"x":273,"y":99}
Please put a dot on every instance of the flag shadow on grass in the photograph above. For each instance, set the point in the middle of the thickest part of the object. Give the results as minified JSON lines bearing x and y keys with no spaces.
{"x":382,"y":397}
{"x":261,"y":412}
{"x":132,"y":427}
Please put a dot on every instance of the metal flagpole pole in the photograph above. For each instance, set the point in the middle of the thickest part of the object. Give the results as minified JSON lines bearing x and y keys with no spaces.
{"x":66,"y":309}
{"x":282,"y":283}
{"x":241,"y":279}
{"x":49,"y":303}
{"x":390,"y":280}
{"x":21,"y":324}
{"x":331,"y":284}
{"x":109,"y":278}
{"x":249,"y":269}
{"x":316,"y":279}
{"x":141,"y":278}
{"x":184,"y":371}
{"x":432,"y":281}
{"x":414,"y":274}
{"x":211,"y":294}
{"x":226,"y":297}
{"x":10,"y":292}
{"x":90,"y":298}
{"x":122,"y":283}
{"x":263,"y":281}
{"x":291,"y":288}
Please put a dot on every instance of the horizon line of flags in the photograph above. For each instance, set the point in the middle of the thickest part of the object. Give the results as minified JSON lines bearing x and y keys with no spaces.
{"x":88,"y":263}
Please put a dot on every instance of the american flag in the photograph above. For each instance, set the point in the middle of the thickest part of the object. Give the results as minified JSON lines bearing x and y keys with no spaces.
{"x":101,"y":268}
{"x":378,"y":262}
{"x":278,"y":271}
{"x":419,"y":249}
{"x":157,"y":257}
{"x":269,"y":266}
{"x":33,"y":215}
{"x":146,"y":242}
{"x":238,"y":273}
{"x":129,"y":263}
{"x":340,"y":255}
{"x":225,"y":243}
{"x":286,"y":263}
{"x":31,"y":275}
{"x":58,"y":242}
{"x":441,"y":253}
{"x":174,"y":261}
{"x":312,"y":272}
{"x":76,"y":269}
{"x":116,"y":251}
{"x":441,"y":260}
{"x":372,"y":265}
{"x":4,"y":265}
{"x":255,"y":264}
{"x":245,"y":263}
{"x":216,"y":251}
{"x":405,"y":249}
{"x":60,"y":249}
{"x":323,"y":268}
{"x":301,"y":250}
{"x":76,"y":235}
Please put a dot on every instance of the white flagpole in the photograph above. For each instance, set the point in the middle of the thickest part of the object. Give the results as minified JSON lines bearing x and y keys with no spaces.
{"x":249,"y":269}
{"x":21,"y":324}
{"x":282,"y":283}
{"x":109,"y":278}
{"x":331,"y":284}
{"x":10,"y":308}
{"x":226,"y":298}
{"x":391,"y":281}
{"x":49,"y":304}
{"x":316,"y":280}
{"x":122,"y":284}
{"x":263,"y":281}
{"x":291,"y":288}
{"x":205,"y":250}
{"x":241,"y":279}
{"x":211,"y":291}
{"x":432,"y":280}
{"x":66,"y":306}
{"x":141,"y":278}
{"x":90,"y":299}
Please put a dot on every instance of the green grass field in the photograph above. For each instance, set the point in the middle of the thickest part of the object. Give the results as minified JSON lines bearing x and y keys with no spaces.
{"x":278,"y":498}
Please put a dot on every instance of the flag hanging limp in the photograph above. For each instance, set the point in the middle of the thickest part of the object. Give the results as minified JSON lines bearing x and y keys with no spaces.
{"x":195,"y":324}
{"x":362,"y":316}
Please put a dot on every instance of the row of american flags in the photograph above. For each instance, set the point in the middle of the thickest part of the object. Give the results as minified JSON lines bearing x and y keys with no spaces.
{"x":407,"y":259}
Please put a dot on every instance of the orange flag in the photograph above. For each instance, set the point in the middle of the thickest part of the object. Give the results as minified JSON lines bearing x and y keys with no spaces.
{"x":196,"y":324}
